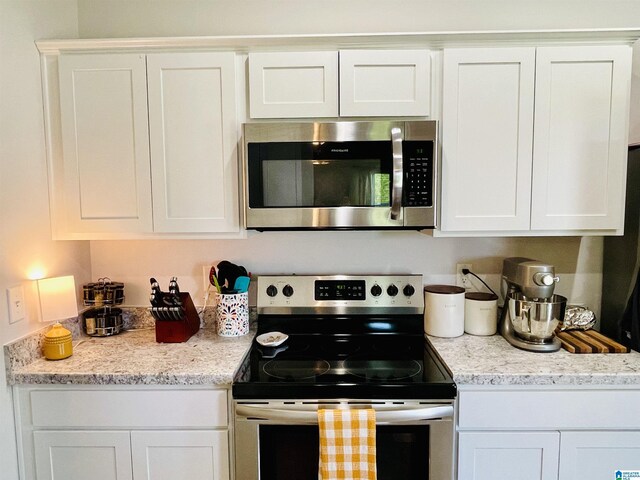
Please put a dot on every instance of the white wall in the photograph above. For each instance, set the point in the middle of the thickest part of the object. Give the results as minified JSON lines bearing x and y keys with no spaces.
{"x":139,"y":18}
{"x":578,"y":261}
{"x":25,"y":237}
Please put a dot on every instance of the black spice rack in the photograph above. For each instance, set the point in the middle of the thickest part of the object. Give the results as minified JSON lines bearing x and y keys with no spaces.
{"x":102,"y":320}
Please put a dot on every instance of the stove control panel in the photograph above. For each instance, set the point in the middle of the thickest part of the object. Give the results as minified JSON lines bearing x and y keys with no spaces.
{"x":337,"y":294}
{"x":340,"y":290}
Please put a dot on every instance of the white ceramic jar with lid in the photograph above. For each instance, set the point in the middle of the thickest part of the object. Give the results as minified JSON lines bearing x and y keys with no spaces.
{"x":444,"y":310}
{"x":480,"y":313}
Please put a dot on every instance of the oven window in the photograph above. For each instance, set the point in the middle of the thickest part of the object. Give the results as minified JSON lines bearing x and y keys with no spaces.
{"x":303,"y":174}
{"x":290,"y":451}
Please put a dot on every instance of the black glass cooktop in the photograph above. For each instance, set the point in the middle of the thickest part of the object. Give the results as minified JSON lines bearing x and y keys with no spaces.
{"x":354,"y":366}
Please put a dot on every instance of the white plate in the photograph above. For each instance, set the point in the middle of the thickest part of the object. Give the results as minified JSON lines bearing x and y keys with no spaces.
{"x":271,"y":339}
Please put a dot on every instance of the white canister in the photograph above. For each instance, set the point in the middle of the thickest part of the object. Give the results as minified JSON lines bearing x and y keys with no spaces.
{"x":481,"y":313}
{"x":232,"y":314}
{"x":444,"y":310}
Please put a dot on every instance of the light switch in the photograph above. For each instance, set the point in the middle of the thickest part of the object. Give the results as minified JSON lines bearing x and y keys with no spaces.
{"x":16,"y":303}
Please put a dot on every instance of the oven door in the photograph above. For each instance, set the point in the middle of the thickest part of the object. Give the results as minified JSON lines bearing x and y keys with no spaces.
{"x":279,"y":439}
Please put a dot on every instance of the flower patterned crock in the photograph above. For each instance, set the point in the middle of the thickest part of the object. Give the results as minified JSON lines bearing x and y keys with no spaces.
{"x":232,"y":314}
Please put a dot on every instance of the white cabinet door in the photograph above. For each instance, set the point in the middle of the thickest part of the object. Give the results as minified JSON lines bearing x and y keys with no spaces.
{"x":487,"y":136}
{"x":103,"y":107}
{"x":193,"y":138}
{"x":385,"y":83}
{"x":95,"y":455}
{"x":521,"y":455}
{"x":598,"y":455}
{"x":581,"y":128}
{"x":293,"y":84}
{"x":180,"y":455}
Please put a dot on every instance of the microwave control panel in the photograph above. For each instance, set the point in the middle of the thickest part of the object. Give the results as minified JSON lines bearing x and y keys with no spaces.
{"x":418,"y":173}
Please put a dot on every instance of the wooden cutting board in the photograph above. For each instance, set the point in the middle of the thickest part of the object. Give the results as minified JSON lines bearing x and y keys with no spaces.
{"x":589,"y":341}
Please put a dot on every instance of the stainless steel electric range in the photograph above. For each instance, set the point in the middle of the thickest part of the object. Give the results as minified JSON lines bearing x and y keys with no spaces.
{"x":352,"y":342}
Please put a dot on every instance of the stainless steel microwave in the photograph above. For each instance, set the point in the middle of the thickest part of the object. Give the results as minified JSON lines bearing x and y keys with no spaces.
{"x":340,"y":175}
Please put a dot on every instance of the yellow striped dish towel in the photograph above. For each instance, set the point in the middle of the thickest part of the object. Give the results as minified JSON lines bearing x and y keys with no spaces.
{"x":347,"y":444}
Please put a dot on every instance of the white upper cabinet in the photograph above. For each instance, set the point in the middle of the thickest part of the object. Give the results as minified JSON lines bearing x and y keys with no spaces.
{"x":293,"y":84}
{"x":192,"y":120}
{"x":535,"y":140}
{"x":103,"y":108}
{"x":580,"y":147}
{"x":371,"y":83}
{"x":149,"y":145}
{"x":487,"y":136}
{"x":385,"y":83}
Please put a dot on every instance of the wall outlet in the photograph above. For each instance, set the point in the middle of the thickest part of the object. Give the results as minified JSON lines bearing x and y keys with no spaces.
{"x":15,"y":297}
{"x":461,"y":279}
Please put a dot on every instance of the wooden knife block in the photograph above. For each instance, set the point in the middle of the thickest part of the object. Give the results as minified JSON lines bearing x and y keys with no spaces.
{"x":179,"y":330}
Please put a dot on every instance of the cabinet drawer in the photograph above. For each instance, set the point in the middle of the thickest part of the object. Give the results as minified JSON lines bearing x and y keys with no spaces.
{"x":129,"y":409}
{"x":554,"y":410}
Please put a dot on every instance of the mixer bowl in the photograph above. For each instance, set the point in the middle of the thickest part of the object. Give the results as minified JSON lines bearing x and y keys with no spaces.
{"x":535,"y":320}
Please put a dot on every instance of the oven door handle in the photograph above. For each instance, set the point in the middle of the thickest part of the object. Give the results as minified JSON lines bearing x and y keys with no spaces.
{"x":410,"y":415}
{"x":396,"y":180}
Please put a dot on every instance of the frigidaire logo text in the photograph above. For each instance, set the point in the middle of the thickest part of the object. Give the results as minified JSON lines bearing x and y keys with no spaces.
{"x":340,"y":150}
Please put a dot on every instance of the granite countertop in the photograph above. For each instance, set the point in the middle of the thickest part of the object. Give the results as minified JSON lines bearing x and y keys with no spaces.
{"x":477,"y":360}
{"x":134,"y":358}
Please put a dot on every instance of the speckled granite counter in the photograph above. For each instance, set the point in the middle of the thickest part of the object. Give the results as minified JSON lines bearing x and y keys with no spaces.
{"x":476,"y":360}
{"x":134,"y":358}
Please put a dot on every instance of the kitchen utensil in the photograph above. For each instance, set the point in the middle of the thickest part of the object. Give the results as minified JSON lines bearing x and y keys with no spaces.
{"x":213,"y":279}
{"x":535,"y":320}
{"x":241,"y":284}
{"x":531,"y":311}
{"x":444,"y":310}
{"x":178,"y":322}
{"x":271,"y":352}
{"x":272,"y":339}
{"x":480,"y":313}
{"x":589,"y":341}
{"x":232,"y":314}
{"x":228,"y":273}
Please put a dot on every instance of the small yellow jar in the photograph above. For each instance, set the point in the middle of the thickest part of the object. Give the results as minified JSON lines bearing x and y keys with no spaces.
{"x":57,"y":343}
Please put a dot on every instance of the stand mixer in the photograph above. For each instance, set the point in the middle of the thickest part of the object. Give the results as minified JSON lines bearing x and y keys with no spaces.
{"x":531,"y":311}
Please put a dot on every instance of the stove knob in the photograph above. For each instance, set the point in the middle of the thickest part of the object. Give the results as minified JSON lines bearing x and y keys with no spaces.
{"x":392,"y":290}
{"x":408,"y":290}
{"x":287,"y":290}
{"x":376,"y":291}
{"x":272,"y":291}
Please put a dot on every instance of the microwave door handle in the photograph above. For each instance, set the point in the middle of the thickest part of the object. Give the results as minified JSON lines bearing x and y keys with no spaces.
{"x":311,"y":416}
{"x":396,"y":180}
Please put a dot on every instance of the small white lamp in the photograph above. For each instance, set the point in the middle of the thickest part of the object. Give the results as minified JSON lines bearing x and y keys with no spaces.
{"x":57,"y":298}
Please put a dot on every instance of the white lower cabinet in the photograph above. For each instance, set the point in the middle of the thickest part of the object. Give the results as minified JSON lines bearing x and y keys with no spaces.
{"x":79,"y":455}
{"x":104,"y":433}
{"x":175,"y":455}
{"x":547,"y":434}
{"x":521,"y":455}
{"x":598,"y":455}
